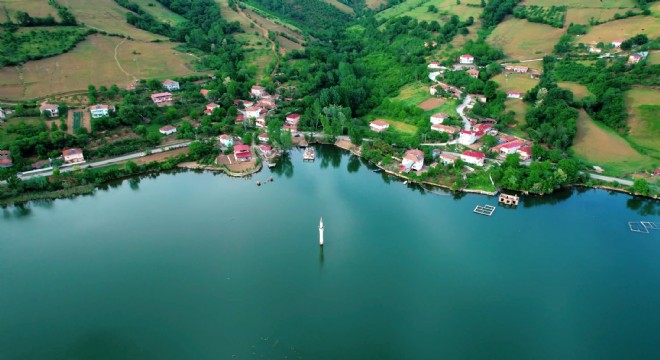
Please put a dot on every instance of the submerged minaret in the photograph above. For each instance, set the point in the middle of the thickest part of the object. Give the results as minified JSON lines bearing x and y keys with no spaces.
{"x":321,"y":232}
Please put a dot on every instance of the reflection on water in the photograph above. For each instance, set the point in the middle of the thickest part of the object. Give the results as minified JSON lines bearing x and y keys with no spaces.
{"x":328,"y":156}
{"x":558,"y":196}
{"x":353,"y":164}
{"x":134,"y":183}
{"x":284,"y":166}
{"x":644,"y":206}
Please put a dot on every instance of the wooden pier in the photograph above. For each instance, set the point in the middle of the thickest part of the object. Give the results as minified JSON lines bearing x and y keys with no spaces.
{"x":487,"y":210}
{"x":507,"y":199}
{"x":309,"y":154}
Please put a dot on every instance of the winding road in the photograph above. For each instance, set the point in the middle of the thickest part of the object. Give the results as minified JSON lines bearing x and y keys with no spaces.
{"x":461,"y":108}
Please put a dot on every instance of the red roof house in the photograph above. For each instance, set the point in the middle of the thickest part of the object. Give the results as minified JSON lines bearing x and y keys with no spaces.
{"x":242,"y":152}
{"x":473,"y":157}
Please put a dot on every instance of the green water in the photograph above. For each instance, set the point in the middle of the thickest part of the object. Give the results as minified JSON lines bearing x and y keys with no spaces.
{"x":202,"y":266}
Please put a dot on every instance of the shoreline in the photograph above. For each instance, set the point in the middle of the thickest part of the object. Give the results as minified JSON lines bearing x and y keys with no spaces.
{"x":90,"y":189}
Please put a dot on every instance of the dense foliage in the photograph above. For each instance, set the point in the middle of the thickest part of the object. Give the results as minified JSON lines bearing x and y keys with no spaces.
{"x":495,"y":12}
{"x":316,"y":16}
{"x":64,"y":13}
{"x":553,"y":15}
{"x":143,"y":20}
{"x":19,"y":47}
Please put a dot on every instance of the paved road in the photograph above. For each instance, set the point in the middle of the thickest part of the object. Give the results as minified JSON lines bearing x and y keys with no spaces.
{"x":70,"y":167}
{"x":461,"y":111}
{"x":611,"y":179}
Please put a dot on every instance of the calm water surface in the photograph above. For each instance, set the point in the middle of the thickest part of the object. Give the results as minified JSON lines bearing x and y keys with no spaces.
{"x":202,"y":266}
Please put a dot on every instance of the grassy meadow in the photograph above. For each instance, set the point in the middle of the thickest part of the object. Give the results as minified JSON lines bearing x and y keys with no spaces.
{"x":341,"y":6}
{"x":623,"y":29}
{"x":584,"y":3}
{"x":515,"y":82}
{"x":521,"y":39}
{"x":93,"y":62}
{"x":595,"y":144}
{"x":36,"y":8}
{"x":644,"y":119}
{"x":579,"y":91}
{"x":418,"y":9}
{"x":159,"y":11}
{"x":519,"y":107}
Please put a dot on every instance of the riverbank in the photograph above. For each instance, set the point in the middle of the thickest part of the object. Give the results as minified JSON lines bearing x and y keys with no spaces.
{"x":48,"y":195}
{"x":192,"y":165}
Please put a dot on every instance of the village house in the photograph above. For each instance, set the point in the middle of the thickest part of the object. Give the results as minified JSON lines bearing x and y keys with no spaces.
{"x":479,"y":97}
{"x":210,"y":107}
{"x":260,"y":122}
{"x":3,"y":115}
{"x":292,"y":119}
{"x":535,"y":74}
{"x":167,"y":130}
{"x":263,"y":137}
{"x":508,"y":148}
{"x":467,"y":137}
{"x":50,"y":110}
{"x":473,"y":73}
{"x":268,"y":104}
{"x":239,"y":119}
{"x":473,"y":157}
{"x":244,"y":103}
{"x":466,"y":59}
{"x":265,"y":149}
{"x":226,"y":140}
{"x":257,"y":91}
{"x":5,"y":159}
{"x":595,"y":50}
{"x":171,"y":85}
{"x":525,"y":152}
{"x":513,"y":95}
{"x":635,"y":58}
{"x":379,"y":125}
{"x":252,"y":112}
{"x":433,"y":90}
{"x":204,"y":93}
{"x":434,"y":65}
{"x":100,"y":110}
{"x":439,"y":118}
{"x":616,"y":43}
{"x":451,"y":130}
{"x":159,"y":98}
{"x":447,"y":158}
{"x":516,"y":68}
{"x":242,"y":152}
{"x":656,"y":171}
{"x":73,"y":156}
{"x":412,"y":159}
{"x":480,"y":129}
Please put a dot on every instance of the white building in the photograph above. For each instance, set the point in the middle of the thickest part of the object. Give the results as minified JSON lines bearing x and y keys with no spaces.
{"x":438,"y":118}
{"x":226,"y":140}
{"x":253,"y":112}
{"x":412,"y":159}
{"x":379,"y":125}
{"x":72,"y":156}
{"x":257,"y":91}
{"x":167,"y":130}
{"x":50,"y":110}
{"x":171,"y":85}
{"x":99,"y":110}
{"x":473,"y":157}
{"x":467,"y":137}
{"x":514,"y":95}
{"x":466,"y":59}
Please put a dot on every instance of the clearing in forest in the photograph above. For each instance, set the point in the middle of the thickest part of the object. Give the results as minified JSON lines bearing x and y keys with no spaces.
{"x":515,"y":82}
{"x":159,"y":11}
{"x":521,"y":39}
{"x":599,"y":145}
{"x":579,"y":91}
{"x":418,"y":9}
{"x":644,"y":119}
{"x":623,"y":29}
{"x":93,"y":62}
{"x":36,"y":8}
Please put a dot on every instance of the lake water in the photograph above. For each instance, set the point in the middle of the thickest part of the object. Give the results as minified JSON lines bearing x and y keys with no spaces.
{"x":203,"y":266}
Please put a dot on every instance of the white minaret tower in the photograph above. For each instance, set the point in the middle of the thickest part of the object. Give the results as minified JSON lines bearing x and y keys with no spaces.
{"x":321,"y":232}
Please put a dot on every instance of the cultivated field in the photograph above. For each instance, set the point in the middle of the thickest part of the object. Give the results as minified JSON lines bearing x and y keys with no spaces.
{"x":277,"y":28}
{"x":584,"y":3}
{"x":106,"y":15}
{"x":644,"y":119}
{"x":521,"y":39}
{"x":36,"y":8}
{"x":159,"y":11}
{"x":417,"y":94}
{"x":597,"y":145}
{"x":93,"y":62}
{"x":623,"y":29}
{"x":579,"y":91}
{"x":77,"y":118}
{"x":515,"y":82}
{"x":375,"y":4}
{"x":431,"y":104}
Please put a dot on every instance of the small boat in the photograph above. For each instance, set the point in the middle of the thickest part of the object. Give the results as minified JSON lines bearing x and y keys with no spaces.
{"x":378,"y":170}
{"x":405,"y":182}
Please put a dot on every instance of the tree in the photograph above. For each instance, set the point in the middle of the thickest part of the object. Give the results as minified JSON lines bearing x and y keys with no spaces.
{"x":130,"y":167}
{"x":640,"y":187}
{"x":285,"y":140}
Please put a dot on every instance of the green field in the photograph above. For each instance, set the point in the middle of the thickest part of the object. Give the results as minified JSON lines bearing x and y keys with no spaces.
{"x":584,"y":3}
{"x":515,"y":82}
{"x":623,"y":29}
{"x":644,"y":119}
{"x":596,"y":144}
{"x":77,"y":120}
{"x":159,"y":11}
{"x":418,"y":9}
{"x":521,"y":39}
{"x":36,"y":8}
{"x":579,"y":91}
{"x":403,"y":127}
{"x":519,"y":107}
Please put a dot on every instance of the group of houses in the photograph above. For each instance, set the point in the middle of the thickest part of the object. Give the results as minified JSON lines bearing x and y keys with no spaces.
{"x":165,"y":98}
{"x":521,"y":69}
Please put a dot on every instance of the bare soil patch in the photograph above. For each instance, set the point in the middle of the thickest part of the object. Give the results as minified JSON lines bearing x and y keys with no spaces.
{"x":160,"y":156}
{"x":431,"y":104}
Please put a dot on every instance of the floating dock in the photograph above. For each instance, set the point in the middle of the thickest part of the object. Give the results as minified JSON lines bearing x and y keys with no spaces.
{"x":309,"y":154}
{"x":643,"y":226}
{"x":507,"y":199}
{"x":487,"y":210}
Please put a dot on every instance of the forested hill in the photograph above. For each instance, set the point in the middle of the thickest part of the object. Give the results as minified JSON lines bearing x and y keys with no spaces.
{"x":315,"y":16}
